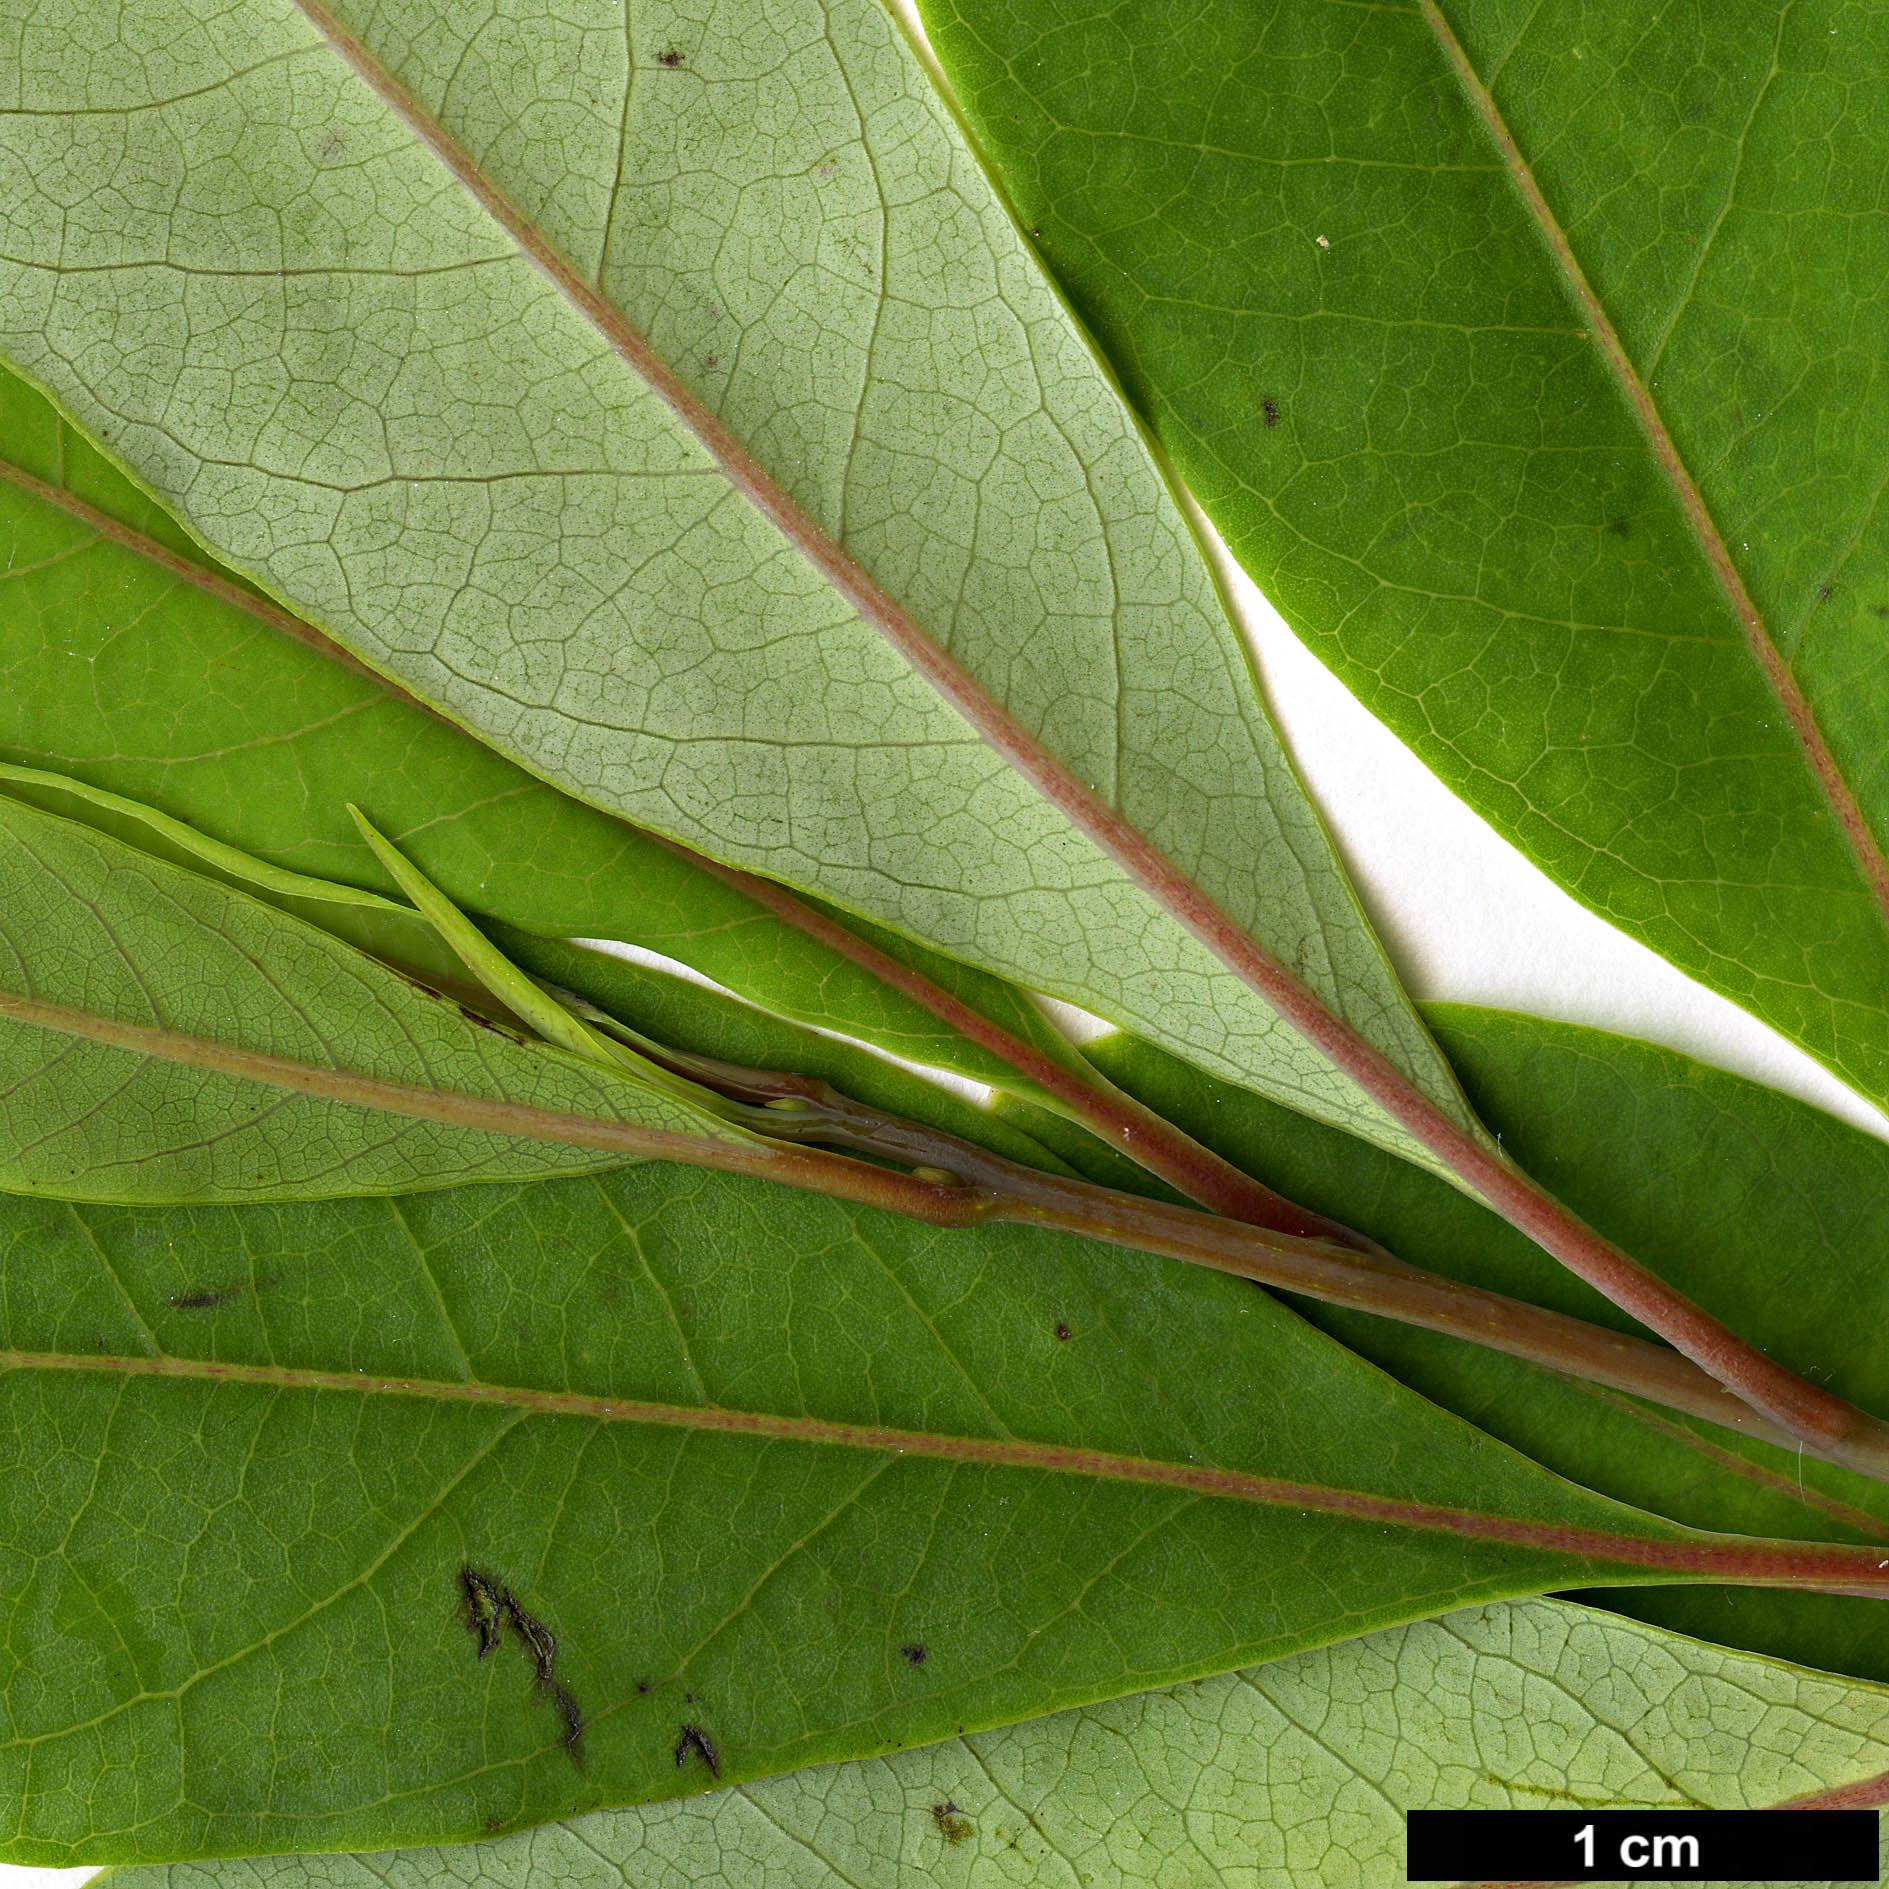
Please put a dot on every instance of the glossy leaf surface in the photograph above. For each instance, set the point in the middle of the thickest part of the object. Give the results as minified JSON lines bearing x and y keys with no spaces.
{"x":1528,"y":358}
{"x":810,"y":1478}
{"x":1753,"y":1200}
{"x":1264,"y":1779}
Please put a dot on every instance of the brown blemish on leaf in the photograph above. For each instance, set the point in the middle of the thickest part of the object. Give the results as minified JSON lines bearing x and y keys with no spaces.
{"x":485,"y":1607}
{"x":696,"y":1742}
{"x":952,"y":1823}
{"x":208,"y":1299}
{"x":539,"y":1640}
{"x":914,"y":1652}
{"x":572,"y":1741}
{"x":1272,"y":412}
{"x":671,"y":58}
{"x":491,"y":1607}
{"x":1063,"y":1333}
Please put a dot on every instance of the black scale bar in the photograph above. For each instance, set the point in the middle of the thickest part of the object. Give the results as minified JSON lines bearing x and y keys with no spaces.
{"x":1507,"y":1846}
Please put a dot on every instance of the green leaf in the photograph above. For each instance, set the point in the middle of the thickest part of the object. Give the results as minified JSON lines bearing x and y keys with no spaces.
{"x":125,"y":671}
{"x":1527,"y":358}
{"x":662,"y":595}
{"x":101,"y":932}
{"x":903,"y":614}
{"x":890,"y":600}
{"x":1758,"y":1204}
{"x":1270,"y":1778}
{"x":739,"y":1446}
{"x":395,"y":934}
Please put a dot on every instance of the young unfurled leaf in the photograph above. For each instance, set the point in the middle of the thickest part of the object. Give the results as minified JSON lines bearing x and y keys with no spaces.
{"x":110,"y":935}
{"x":521,"y":996}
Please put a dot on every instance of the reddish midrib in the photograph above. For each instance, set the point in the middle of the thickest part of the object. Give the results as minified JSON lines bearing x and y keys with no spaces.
{"x":1754,"y":1561}
{"x":1140,"y":1133}
{"x":212,"y":583}
{"x":1145,"y":1137}
{"x":1639,"y":397}
{"x":995,"y":724}
{"x":1844,"y":1514}
{"x":1799,"y":1406}
{"x":1864,"y":1794}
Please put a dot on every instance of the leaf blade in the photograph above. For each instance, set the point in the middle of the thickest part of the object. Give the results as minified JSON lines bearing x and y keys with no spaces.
{"x":1271,"y":1777}
{"x":1478,"y":445}
{"x":863,"y":687}
{"x":187,"y":711}
{"x":576,"y":1299}
{"x":136,"y":950}
{"x":1752,"y":1201}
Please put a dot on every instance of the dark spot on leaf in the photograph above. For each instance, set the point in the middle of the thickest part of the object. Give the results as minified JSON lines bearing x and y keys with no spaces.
{"x":485,"y":1607}
{"x":491,"y":1607}
{"x":914,"y":1653}
{"x":495,"y":1822}
{"x":539,"y":1640}
{"x":207,"y":1300}
{"x":952,"y":1823}
{"x":671,"y":58}
{"x":1063,"y":1332}
{"x":696,"y":1742}
{"x":642,"y":1685}
{"x":572,"y":1741}
{"x":1620,"y":527}
{"x":1272,"y":413}
{"x":1823,"y":593}
{"x":1037,"y":233}
{"x":711,"y":360}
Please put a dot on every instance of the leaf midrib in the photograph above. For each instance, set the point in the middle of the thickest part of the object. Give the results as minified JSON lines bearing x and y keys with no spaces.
{"x":1680,"y":1552}
{"x":1638,"y":397}
{"x":1120,"y":1120}
{"x":1458,"y":1144}
{"x":994,"y":1451}
{"x":188,"y":570}
{"x":1143,"y":862}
